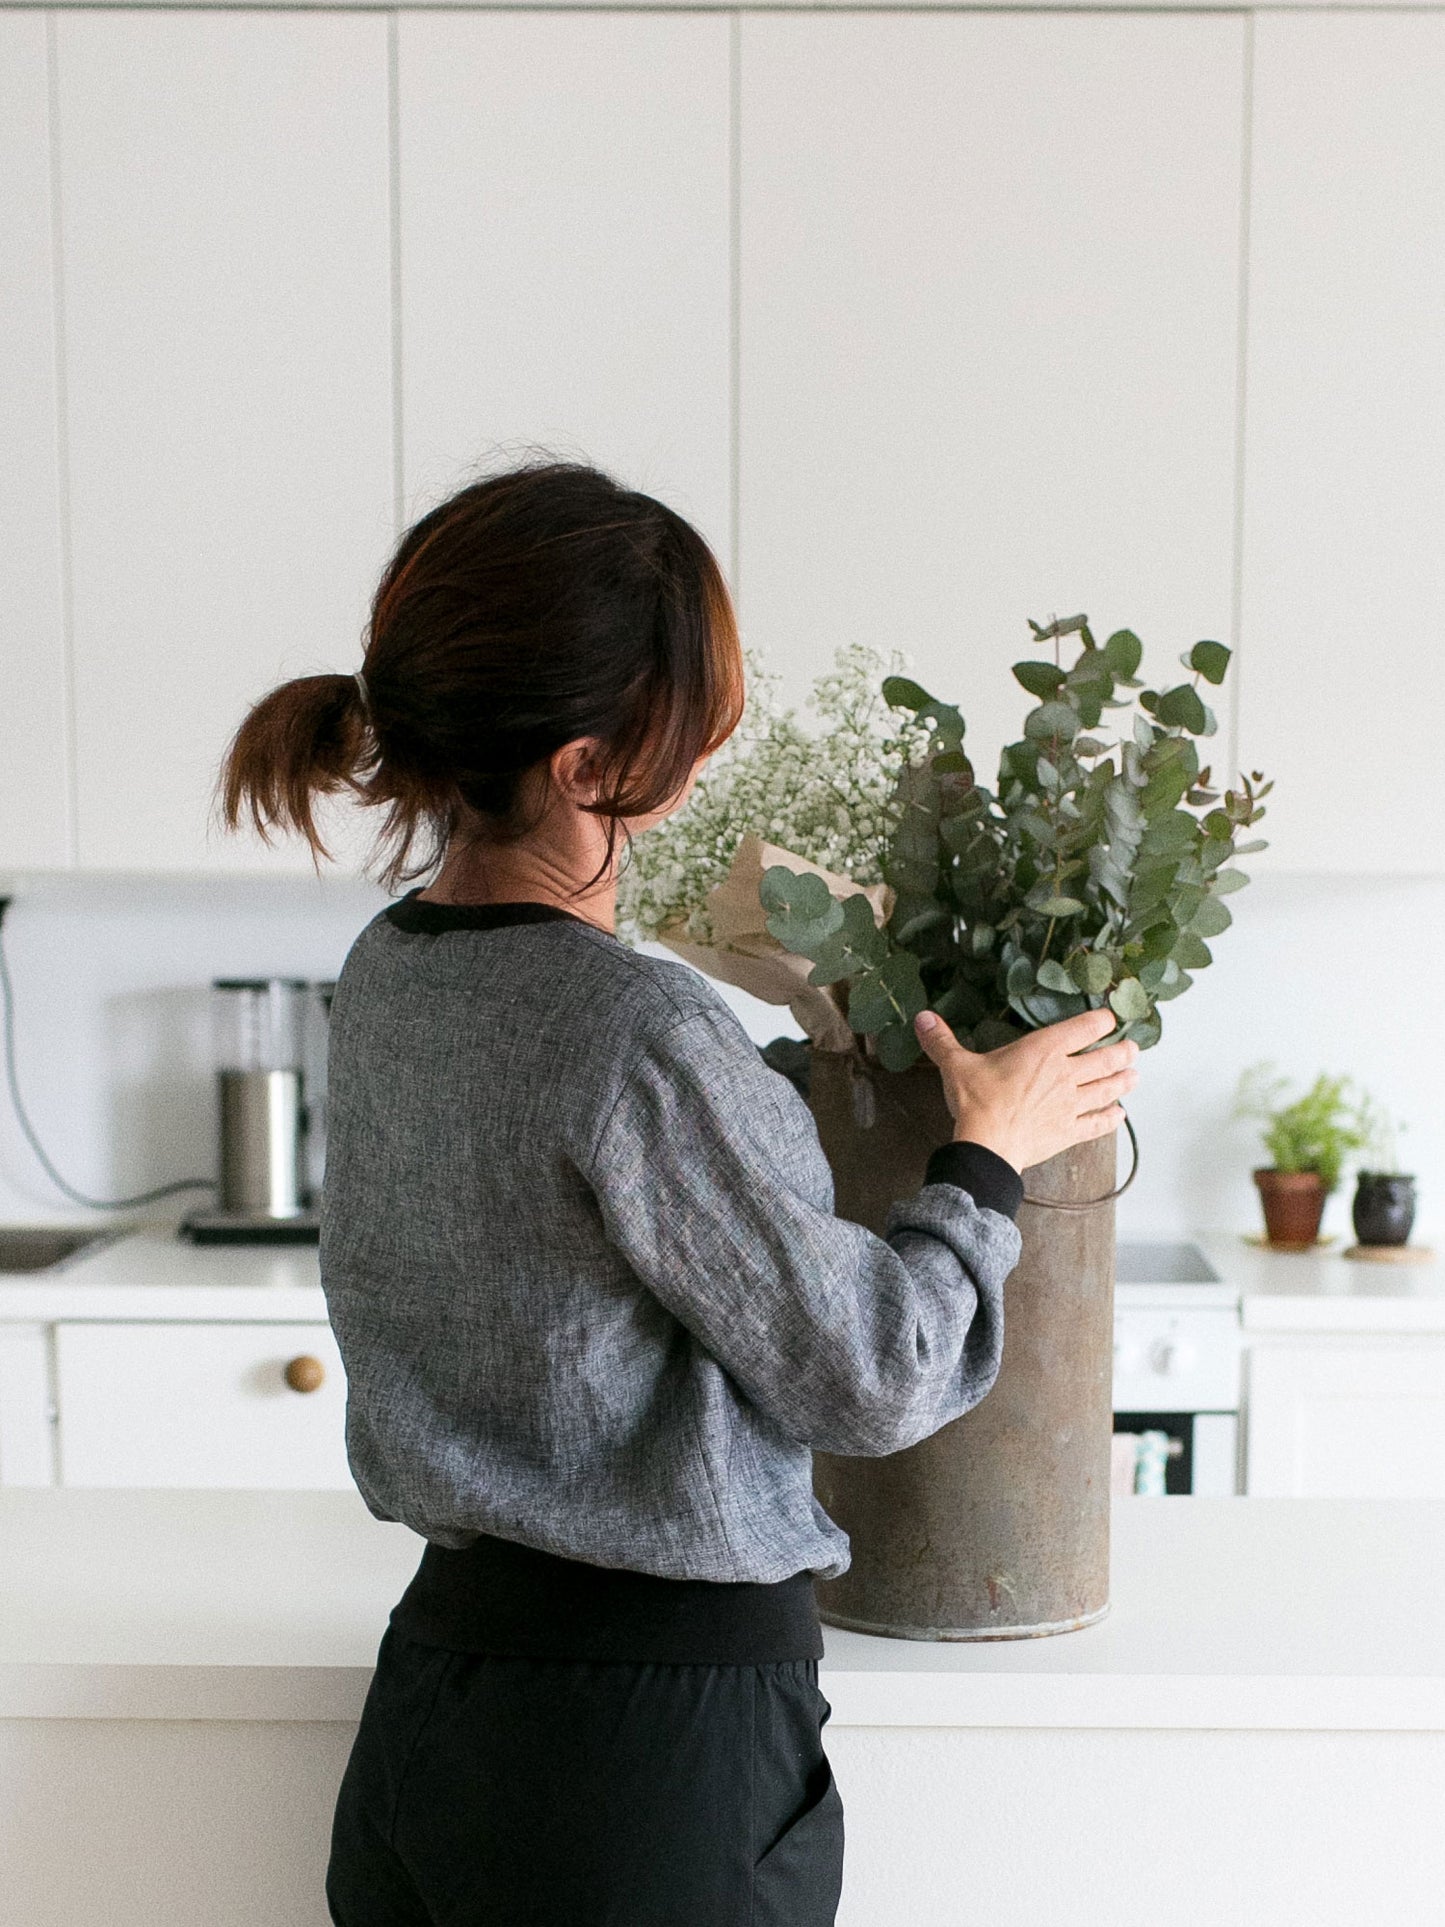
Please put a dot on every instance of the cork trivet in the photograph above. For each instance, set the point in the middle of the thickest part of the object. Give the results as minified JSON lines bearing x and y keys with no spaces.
{"x":1390,"y":1254}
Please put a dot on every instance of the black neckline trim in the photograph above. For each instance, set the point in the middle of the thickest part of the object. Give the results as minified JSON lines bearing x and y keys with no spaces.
{"x":432,"y":919}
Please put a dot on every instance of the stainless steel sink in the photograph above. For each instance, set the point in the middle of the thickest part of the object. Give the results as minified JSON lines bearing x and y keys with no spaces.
{"x":43,"y":1247}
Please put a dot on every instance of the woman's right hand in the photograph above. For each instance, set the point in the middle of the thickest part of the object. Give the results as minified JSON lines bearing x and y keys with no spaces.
{"x":1032,"y":1099}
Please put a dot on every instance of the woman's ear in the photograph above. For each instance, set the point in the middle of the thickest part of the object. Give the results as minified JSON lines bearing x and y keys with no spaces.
{"x":576,"y":770}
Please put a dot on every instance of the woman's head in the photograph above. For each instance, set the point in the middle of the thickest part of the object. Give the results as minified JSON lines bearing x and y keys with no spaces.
{"x":536,"y":609}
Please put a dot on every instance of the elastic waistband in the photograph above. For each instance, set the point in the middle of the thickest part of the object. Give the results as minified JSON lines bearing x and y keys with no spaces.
{"x":496,"y":1596}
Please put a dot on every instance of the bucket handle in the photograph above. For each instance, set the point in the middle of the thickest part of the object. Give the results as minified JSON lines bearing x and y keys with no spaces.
{"x":1057,"y":1204}
{"x":866,"y":1087}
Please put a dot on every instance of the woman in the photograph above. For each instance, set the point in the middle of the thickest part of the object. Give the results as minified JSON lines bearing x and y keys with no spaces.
{"x":578,"y":1248}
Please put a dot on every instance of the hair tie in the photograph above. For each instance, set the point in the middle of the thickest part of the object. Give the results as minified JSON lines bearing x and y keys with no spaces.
{"x":361,"y":685}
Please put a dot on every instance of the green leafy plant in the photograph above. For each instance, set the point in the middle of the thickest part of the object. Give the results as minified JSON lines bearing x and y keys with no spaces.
{"x":1093,"y":873}
{"x":1316,"y":1132}
{"x":1379,"y":1131}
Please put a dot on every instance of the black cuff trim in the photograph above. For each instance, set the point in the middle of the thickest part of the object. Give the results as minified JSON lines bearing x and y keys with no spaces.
{"x":991,"y":1180}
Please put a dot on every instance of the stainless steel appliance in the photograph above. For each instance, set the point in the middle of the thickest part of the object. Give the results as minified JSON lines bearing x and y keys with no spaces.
{"x":1177,"y":1348}
{"x":265,"y":1037}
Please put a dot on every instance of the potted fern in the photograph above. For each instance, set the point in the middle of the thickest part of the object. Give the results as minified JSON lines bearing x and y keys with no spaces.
{"x":1308,"y":1141}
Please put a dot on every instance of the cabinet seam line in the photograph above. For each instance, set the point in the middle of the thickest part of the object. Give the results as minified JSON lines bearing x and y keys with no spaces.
{"x":61,"y":364}
{"x":1241,"y":382}
{"x":735,"y":295}
{"x":393,"y":190}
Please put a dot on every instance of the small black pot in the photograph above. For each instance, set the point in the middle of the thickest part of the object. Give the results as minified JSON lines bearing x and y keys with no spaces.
{"x":1384,"y":1208}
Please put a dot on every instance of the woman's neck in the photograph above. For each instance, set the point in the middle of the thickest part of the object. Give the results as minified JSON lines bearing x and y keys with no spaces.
{"x":526,"y":873}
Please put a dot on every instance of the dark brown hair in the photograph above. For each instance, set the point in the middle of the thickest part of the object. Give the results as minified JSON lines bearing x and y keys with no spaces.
{"x":529,"y":609}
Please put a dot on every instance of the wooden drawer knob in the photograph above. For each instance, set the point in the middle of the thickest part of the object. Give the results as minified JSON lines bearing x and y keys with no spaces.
{"x":305,"y":1374}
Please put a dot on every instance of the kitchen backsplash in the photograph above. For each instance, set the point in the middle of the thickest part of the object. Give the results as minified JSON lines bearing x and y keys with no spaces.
{"x":113,"y":1031}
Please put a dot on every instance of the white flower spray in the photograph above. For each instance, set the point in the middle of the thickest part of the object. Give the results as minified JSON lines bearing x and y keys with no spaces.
{"x":826,"y":794}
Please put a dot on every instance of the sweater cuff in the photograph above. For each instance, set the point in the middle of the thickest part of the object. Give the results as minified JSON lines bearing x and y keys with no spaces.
{"x":991,"y":1180}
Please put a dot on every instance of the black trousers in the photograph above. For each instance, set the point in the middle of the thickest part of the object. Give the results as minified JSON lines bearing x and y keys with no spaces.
{"x":500,"y":1792}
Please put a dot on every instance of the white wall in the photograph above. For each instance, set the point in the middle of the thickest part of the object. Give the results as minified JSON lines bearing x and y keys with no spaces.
{"x":113,"y":1027}
{"x":113,"y":1037}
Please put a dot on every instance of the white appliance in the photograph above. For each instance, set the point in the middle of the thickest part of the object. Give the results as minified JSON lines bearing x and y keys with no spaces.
{"x":1177,"y":1349}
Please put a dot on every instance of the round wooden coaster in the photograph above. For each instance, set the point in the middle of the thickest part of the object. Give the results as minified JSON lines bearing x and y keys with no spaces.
{"x":1390,"y":1254}
{"x":1261,"y":1243}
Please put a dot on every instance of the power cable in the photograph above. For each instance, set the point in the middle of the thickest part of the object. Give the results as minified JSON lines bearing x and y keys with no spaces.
{"x":7,"y":995}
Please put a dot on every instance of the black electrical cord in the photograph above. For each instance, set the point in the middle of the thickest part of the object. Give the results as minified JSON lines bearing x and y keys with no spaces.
{"x":7,"y":994}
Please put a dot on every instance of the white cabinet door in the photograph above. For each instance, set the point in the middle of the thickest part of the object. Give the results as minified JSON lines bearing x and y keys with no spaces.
{"x":198,"y":1405}
{"x":565,"y":250}
{"x":989,"y":338}
{"x":1344,"y":565}
{"x":223,"y":208}
{"x":27,"y":1429}
{"x":1347,"y":1420}
{"x":34,"y":788}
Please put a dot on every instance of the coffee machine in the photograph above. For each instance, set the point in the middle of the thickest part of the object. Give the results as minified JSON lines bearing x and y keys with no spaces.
{"x":270,"y":1056}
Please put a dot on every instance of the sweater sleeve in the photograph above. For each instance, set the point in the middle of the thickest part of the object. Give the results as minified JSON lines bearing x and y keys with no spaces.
{"x":712,"y":1183}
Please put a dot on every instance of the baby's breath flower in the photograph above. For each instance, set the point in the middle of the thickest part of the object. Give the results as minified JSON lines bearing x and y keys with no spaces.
{"x":825,"y":794}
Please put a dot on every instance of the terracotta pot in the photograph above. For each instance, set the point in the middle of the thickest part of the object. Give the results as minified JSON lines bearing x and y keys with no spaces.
{"x":1294,"y":1202}
{"x":996,"y":1527}
{"x":1384,"y":1208}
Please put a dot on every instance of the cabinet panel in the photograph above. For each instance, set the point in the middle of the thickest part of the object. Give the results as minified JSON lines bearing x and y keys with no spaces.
{"x":565,"y":250}
{"x":198,"y":1405}
{"x":1345,"y":445}
{"x":989,"y":337}
{"x":1362,"y":1421}
{"x":27,"y":1430}
{"x":34,"y":790}
{"x":224,"y":184}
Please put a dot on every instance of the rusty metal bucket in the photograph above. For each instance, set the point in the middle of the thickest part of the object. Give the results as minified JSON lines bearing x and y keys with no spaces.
{"x":997,"y":1527}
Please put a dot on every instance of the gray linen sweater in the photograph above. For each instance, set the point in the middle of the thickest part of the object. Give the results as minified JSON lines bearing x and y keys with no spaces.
{"x":579,"y":1252}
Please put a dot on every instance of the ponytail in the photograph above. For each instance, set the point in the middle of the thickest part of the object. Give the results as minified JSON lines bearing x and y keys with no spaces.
{"x":306,"y":738}
{"x":532,"y":608}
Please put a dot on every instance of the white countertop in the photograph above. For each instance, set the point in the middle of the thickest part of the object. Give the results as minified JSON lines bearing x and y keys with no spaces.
{"x":151,"y":1273}
{"x":1323,"y":1291}
{"x":1226,"y":1613}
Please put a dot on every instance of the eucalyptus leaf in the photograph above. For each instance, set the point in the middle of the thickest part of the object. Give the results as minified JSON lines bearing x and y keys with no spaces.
{"x":1053,"y":976}
{"x":1052,"y":721}
{"x":856,"y":945}
{"x":900,"y":692}
{"x":897,"y":1046}
{"x":891,"y":993}
{"x":1173,"y":987}
{"x":1144,"y":1030}
{"x":803,"y":914}
{"x":1129,"y":1000}
{"x":1211,"y":659}
{"x":1019,"y":977}
{"x":1181,"y":708}
{"x":1093,"y":972}
{"x":1210,"y":919}
{"x":1038,"y":678}
{"x":1124,"y":652}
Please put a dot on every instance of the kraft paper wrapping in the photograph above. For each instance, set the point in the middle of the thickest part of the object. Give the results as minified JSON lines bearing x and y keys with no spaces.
{"x":743,"y":952}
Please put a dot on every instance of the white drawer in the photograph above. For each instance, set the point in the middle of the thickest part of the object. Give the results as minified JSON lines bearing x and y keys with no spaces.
{"x":198,"y":1405}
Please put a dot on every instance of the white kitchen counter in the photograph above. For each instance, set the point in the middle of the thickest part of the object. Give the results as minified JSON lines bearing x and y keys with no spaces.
{"x":1247,"y":1614}
{"x":1323,"y":1291}
{"x":152,"y":1273}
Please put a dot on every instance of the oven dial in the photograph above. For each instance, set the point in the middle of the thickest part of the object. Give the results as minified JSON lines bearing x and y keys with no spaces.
{"x":1170,"y":1358}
